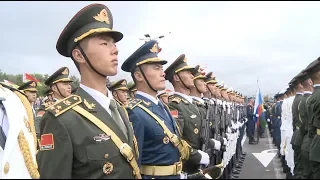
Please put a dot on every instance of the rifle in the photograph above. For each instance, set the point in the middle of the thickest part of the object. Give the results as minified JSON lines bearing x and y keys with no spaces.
{"x":204,"y":136}
{"x":202,"y":173}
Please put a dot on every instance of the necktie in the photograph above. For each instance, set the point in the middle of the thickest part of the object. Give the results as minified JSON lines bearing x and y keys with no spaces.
{"x":116,"y":117}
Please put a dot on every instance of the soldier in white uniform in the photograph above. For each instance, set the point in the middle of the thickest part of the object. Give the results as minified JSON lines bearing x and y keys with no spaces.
{"x":289,"y":131}
{"x":18,"y":140}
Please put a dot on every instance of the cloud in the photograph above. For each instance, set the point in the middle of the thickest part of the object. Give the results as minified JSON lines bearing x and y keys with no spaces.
{"x":238,"y":41}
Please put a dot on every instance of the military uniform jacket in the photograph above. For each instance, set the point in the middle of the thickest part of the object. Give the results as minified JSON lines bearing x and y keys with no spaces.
{"x":296,"y":123}
{"x":73,"y":147}
{"x":305,"y":118}
{"x":250,"y":113}
{"x":315,"y":120}
{"x":189,"y":119}
{"x":18,"y":158}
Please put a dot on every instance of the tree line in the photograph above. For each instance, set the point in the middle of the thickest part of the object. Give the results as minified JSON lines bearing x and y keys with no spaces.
{"x":18,"y":80}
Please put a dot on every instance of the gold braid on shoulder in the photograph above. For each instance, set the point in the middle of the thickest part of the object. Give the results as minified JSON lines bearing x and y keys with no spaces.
{"x":23,"y":143}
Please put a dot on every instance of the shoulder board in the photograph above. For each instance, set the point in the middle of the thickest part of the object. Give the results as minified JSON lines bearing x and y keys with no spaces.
{"x":64,"y":105}
{"x":176,"y":99}
{"x":133,"y":103}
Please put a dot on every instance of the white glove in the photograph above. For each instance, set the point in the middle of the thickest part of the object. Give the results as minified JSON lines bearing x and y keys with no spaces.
{"x":205,"y":160}
{"x":246,"y":120}
{"x":183,"y":175}
{"x":217,"y":144}
{"x":228,"y":129}
{"x":225,"y":141}
{"x":268,"y":120}
{"x":257,"y":115}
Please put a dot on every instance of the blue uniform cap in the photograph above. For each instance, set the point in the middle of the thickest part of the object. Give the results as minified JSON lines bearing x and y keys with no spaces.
{"x":147,"y":53}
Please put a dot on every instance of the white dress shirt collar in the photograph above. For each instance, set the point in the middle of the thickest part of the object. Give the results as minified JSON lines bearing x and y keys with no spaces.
{"x":148,"y":96}
{"x":307,"y":92}
{"x":198,"y":99}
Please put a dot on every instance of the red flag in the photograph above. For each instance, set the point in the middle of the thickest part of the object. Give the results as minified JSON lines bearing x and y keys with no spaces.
{"x":27,"y":77}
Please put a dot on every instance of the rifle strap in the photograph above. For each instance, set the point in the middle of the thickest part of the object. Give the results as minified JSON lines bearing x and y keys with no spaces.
{"x":182,"y":145}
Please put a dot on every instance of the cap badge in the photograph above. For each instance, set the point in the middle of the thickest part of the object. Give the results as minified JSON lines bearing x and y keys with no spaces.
{"x":65,"y":71}
{"x":33,"y":84}
{"x":102,"y":16}
{"x":154,"y":48}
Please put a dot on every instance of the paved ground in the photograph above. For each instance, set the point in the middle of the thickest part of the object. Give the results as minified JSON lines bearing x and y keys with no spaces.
{"x":253,"y":169}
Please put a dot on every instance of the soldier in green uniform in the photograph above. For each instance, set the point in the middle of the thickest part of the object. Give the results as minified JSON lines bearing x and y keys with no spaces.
{"x":30,"y":90}
{"x":304,"y":117}
{"x":312,"y":71}
{"x":180,"y":104}
{"x":296,"y":125}
{"x":48,"y":102}
{"x":60,"y":83}
{"x":87,"y":135}
{"x":199,"y":88}
{"x":132,"y":90}
{"x":119,"y":91}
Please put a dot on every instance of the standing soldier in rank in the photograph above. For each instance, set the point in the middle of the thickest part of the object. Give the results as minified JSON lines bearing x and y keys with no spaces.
{"x":313,"y":71}
{"x":119,"y":91}
{"x":199,"y":88}
{"x":87,"y":135}
{"x":160,"y":147}
{"x":60,"y":83}
{"x":296,"y":124}
{"x":30,"y":90}
{"x":132,"y":90}
{"x":186,"y":114}
{"x":18,"y":142}
{"x":304,"y":116}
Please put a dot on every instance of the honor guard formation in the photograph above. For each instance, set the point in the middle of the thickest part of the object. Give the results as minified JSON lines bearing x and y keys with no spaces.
{"x":140,"y":129}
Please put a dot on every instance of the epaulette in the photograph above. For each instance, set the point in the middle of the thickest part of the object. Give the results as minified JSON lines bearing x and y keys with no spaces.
{"x":176,"y":99}
{"x":64,"y":105}
{"x":133,"y":103}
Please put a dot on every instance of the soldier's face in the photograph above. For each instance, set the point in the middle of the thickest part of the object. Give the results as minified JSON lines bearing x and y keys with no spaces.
{"x":155,"y":75}
{"x":122,"y":96}
{"x":211,"y":87}
{"x":31,"y":95}
{"x":201,"y":85}
{"x":187,"y":78}
{"x":64,"y":89}
{"x":102,"y":53}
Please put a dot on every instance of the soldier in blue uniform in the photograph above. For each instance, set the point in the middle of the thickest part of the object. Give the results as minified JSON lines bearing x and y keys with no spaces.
{"x":277,"y":121}
{"x":161,"y":151}
{"x":251,"y":122}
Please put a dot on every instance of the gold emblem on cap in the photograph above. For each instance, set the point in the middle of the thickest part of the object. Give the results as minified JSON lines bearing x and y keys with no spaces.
{"x":33,"y":84}
{"x":65,"y":71}
{"x":196,"y":131}
{"x":185,"y":60}
{"x":166,"y":140}
{"x":6,"y":168}
{"x":107,"y":168}
{"x":154,"y":48}
{"x":102,"y":16}
{"x":123,"y":83}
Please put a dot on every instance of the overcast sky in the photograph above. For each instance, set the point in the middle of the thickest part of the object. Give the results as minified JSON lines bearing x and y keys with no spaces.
{"x":238,"y":41}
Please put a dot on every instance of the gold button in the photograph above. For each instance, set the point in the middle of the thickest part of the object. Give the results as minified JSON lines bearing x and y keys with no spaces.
{"x":106,"y":156}
{"x":6,"y":168}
